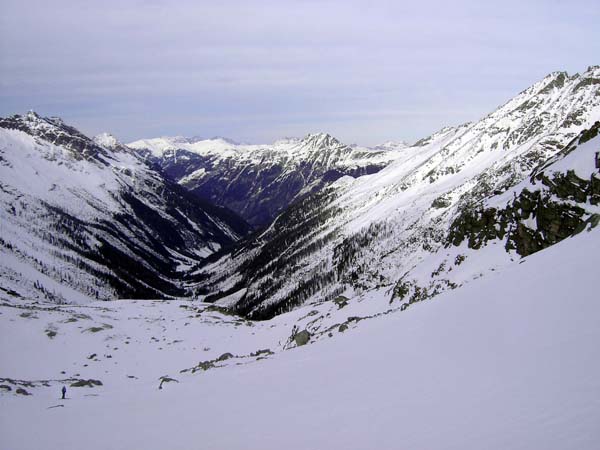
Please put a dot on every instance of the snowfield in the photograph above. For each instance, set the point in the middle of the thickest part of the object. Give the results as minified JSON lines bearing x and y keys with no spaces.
{"x":508,"y":361}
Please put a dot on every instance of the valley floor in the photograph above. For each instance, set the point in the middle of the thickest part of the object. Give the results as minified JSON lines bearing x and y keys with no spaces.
{"x":508,"y":361}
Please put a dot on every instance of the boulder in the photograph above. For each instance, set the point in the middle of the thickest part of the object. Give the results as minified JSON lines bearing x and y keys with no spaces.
{"x":302,"y":338}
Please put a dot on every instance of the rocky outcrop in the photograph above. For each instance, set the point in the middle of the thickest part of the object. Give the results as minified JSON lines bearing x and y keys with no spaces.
{"x":556,"y":205}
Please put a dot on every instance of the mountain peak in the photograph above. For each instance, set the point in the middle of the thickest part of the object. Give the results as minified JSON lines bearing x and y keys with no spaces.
{"x":320,"y":140}
{"x":29,"y":122}
{"x":592,"y":71}
{"x":320,"y":135}
{"x":55,"y":131}
{"x":32,"y":115}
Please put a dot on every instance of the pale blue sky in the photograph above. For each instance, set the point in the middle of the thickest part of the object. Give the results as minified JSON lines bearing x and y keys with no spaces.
{"x":254,"y":71}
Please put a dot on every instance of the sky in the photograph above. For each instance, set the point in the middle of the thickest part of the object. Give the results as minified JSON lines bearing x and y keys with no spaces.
{"x":255,"y":71}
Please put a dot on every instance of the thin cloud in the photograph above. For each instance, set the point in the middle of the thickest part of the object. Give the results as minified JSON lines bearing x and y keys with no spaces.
{"x":254,"y":71}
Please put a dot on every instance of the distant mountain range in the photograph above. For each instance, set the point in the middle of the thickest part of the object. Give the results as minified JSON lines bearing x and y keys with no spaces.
{"x":260,"y":181}
{"x":89,"y":218}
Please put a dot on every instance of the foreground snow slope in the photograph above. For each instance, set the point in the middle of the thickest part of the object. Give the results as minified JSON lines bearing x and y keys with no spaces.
{"x":509,"y":361}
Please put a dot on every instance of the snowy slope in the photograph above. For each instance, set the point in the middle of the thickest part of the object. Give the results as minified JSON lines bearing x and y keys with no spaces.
{"x":260,"y":181}
{"x":509,"y":361}
{"x":395,"y":228}
{"x":83,"y":219}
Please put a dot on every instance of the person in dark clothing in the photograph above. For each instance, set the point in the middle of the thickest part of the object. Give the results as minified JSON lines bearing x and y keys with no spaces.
{"x":64,"y":391}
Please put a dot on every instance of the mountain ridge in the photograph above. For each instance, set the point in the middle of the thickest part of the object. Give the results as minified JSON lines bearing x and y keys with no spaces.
{"x":356,"y":218}
{"x":391,"y":229}
{"x":260,"y":181}
{"x":85,"y":221}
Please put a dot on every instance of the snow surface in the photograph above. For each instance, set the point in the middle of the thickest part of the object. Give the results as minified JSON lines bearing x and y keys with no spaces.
{"x":509,"y":361}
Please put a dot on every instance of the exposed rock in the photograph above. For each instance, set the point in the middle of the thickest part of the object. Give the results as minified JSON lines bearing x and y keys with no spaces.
{"x":341,"y":301}
{"x":302,"y":338}
{"x":266,"y":351}
{"x":224,"y":357}
{"x":441,"y":202}
{"x":94,"y":329}
{"x":86,"y":383}
{"x":166,"y":379}
{"x":554,"y":219}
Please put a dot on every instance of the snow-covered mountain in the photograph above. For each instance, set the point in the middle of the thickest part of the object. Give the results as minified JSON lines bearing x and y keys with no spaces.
{"x":260,"y":181}
{"x":81,"y":218}
{"x":497,"y":219}
{"x":452,"y":207}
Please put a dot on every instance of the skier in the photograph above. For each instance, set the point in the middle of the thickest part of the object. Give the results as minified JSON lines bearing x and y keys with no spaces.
{"x":64,"y":391}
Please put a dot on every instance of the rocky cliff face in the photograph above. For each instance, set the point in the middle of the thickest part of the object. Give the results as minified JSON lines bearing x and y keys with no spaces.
{"x":559,"y":199}
{"x":83,"y":219}
{"x":396,"y":228}
{"x":260,"y":181}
